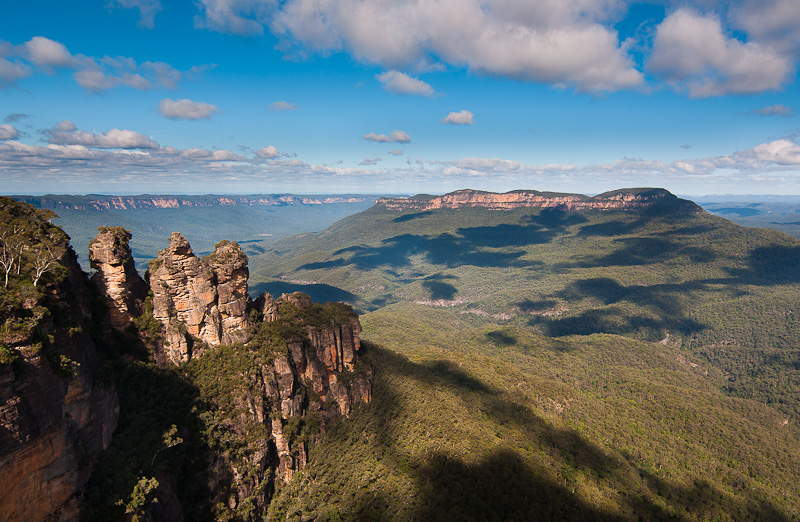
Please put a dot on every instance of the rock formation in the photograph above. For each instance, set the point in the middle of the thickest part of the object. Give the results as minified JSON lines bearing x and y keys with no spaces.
{"x":55,"y":419}
{"x":619,"y":199}
{"x":196,"y":299}
{"x":116,"y":277}
{"x":318,"y":370}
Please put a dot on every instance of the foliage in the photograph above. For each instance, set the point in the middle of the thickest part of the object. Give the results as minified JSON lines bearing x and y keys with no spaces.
{"x":142,"y":496}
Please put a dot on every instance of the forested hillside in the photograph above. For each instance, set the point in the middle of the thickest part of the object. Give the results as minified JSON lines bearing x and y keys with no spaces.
{"x":629,"y":363}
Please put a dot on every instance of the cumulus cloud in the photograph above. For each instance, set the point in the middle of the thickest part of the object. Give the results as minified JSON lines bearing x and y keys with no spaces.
{"x":563,"y":42}
{"x":269,"y":152}
{"x":11,"y":71}
{"x":370,"y":161}
{"x":774,"y":110}
{"x":147,"y":10}
{"x":282,"y":106}
{"x":396,"y":152}
{"x":773,"y":22}
{"x":93,"y":74}
{"x":692,"y":52}
{"x":8,"y":132}
{"x":186,"y":109}
{"x":65,"y":133}
{"x":397,"y":82}
{"x":459,"y":118}
{"x":396,"y":136}
{"x":45,"y":52}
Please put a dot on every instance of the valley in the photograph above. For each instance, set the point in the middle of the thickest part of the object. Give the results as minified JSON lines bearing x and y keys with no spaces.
{"x":537,"y":356}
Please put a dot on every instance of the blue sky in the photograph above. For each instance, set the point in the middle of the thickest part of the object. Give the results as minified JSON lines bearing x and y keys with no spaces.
{"x":391,"y":96}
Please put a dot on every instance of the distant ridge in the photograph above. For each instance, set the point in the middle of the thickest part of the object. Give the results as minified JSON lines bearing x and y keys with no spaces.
{"x":630,"y":198}
{"x":146,"y":201}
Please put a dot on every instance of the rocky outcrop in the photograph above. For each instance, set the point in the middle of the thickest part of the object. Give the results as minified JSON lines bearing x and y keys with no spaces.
{"x":625,"y":199}
{"x":55,"y":419}
{"x":116,"y":277}
{"x":199,"y":299}
{"x":229,"y":265}
{"x":321,"y":369}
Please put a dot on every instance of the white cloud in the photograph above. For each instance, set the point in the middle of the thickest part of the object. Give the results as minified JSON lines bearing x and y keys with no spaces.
{"x":81,"y":168}
{"x":779,"y":152}
{"x":93,"y":74}
{"x":775,"y":22}
{"x":401,"y":83}
{"x":48,"y":53}
{"x":370,"y":161}
{"x":186,"y":109}
{"x":396,"y":152}
{"x":396,"y":136}
{"x":11,"y":71}
{"x":691,"y":52}
{"x":92,"y":80}
{"x":562,"y":42}
{"x":65,"y":133}
{"x":8,"y":132}
{"x":269,"y":152}
{"x":775,"y":110}
{"x":147,"y":10}
{"x":459,"y":118}
{"x":283,"y":106}
{"x":242,"y":17}
{"x":211,"y":155}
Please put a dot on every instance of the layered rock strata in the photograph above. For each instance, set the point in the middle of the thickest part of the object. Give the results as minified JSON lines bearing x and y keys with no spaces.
{"x":199,"y":299}
{"x":619,"y":199}
{"x":116,"y":277}
{"x":320,"y":369}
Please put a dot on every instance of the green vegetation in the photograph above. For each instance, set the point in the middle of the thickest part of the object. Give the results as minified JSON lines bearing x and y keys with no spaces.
{"x":32,"y":250}
{"x":627,"y":365}
{"x":188,"y":425}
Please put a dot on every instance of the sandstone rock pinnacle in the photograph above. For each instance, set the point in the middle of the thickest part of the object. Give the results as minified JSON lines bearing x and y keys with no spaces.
{"x":199,"y":299}
{"x":116,"y":277}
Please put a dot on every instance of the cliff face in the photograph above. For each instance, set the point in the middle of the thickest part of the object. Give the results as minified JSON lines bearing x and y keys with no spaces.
{"x":55,"y":419}
{"x":285,"y":394}
{"x":621,"y":199}
{"x":310,"y":367}
{"x":196,"y":299}
{"x":145,"y":202}
{"x":116,"y":277}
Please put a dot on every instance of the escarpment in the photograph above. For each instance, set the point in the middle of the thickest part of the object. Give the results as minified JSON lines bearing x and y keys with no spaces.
{"x":624,"y":199}
{"x":56,"y":416}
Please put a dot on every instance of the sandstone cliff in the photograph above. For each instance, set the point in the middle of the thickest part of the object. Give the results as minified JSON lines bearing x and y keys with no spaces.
{"x":297,"y":382}
{"x":626,"y":199}
{"x":116,"y":277}
{"x":55,"y":418}
{"x":199,"y":299}
{"x":147,"y":201}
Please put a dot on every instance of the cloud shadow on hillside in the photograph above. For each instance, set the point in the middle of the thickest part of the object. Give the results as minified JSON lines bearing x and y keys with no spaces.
{"x":660,"y":309}
{"x":468,"y":246}
{"x":501,"y":485}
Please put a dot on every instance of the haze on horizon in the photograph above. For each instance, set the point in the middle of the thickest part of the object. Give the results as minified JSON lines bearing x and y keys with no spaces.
{"x":388,"y":97}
